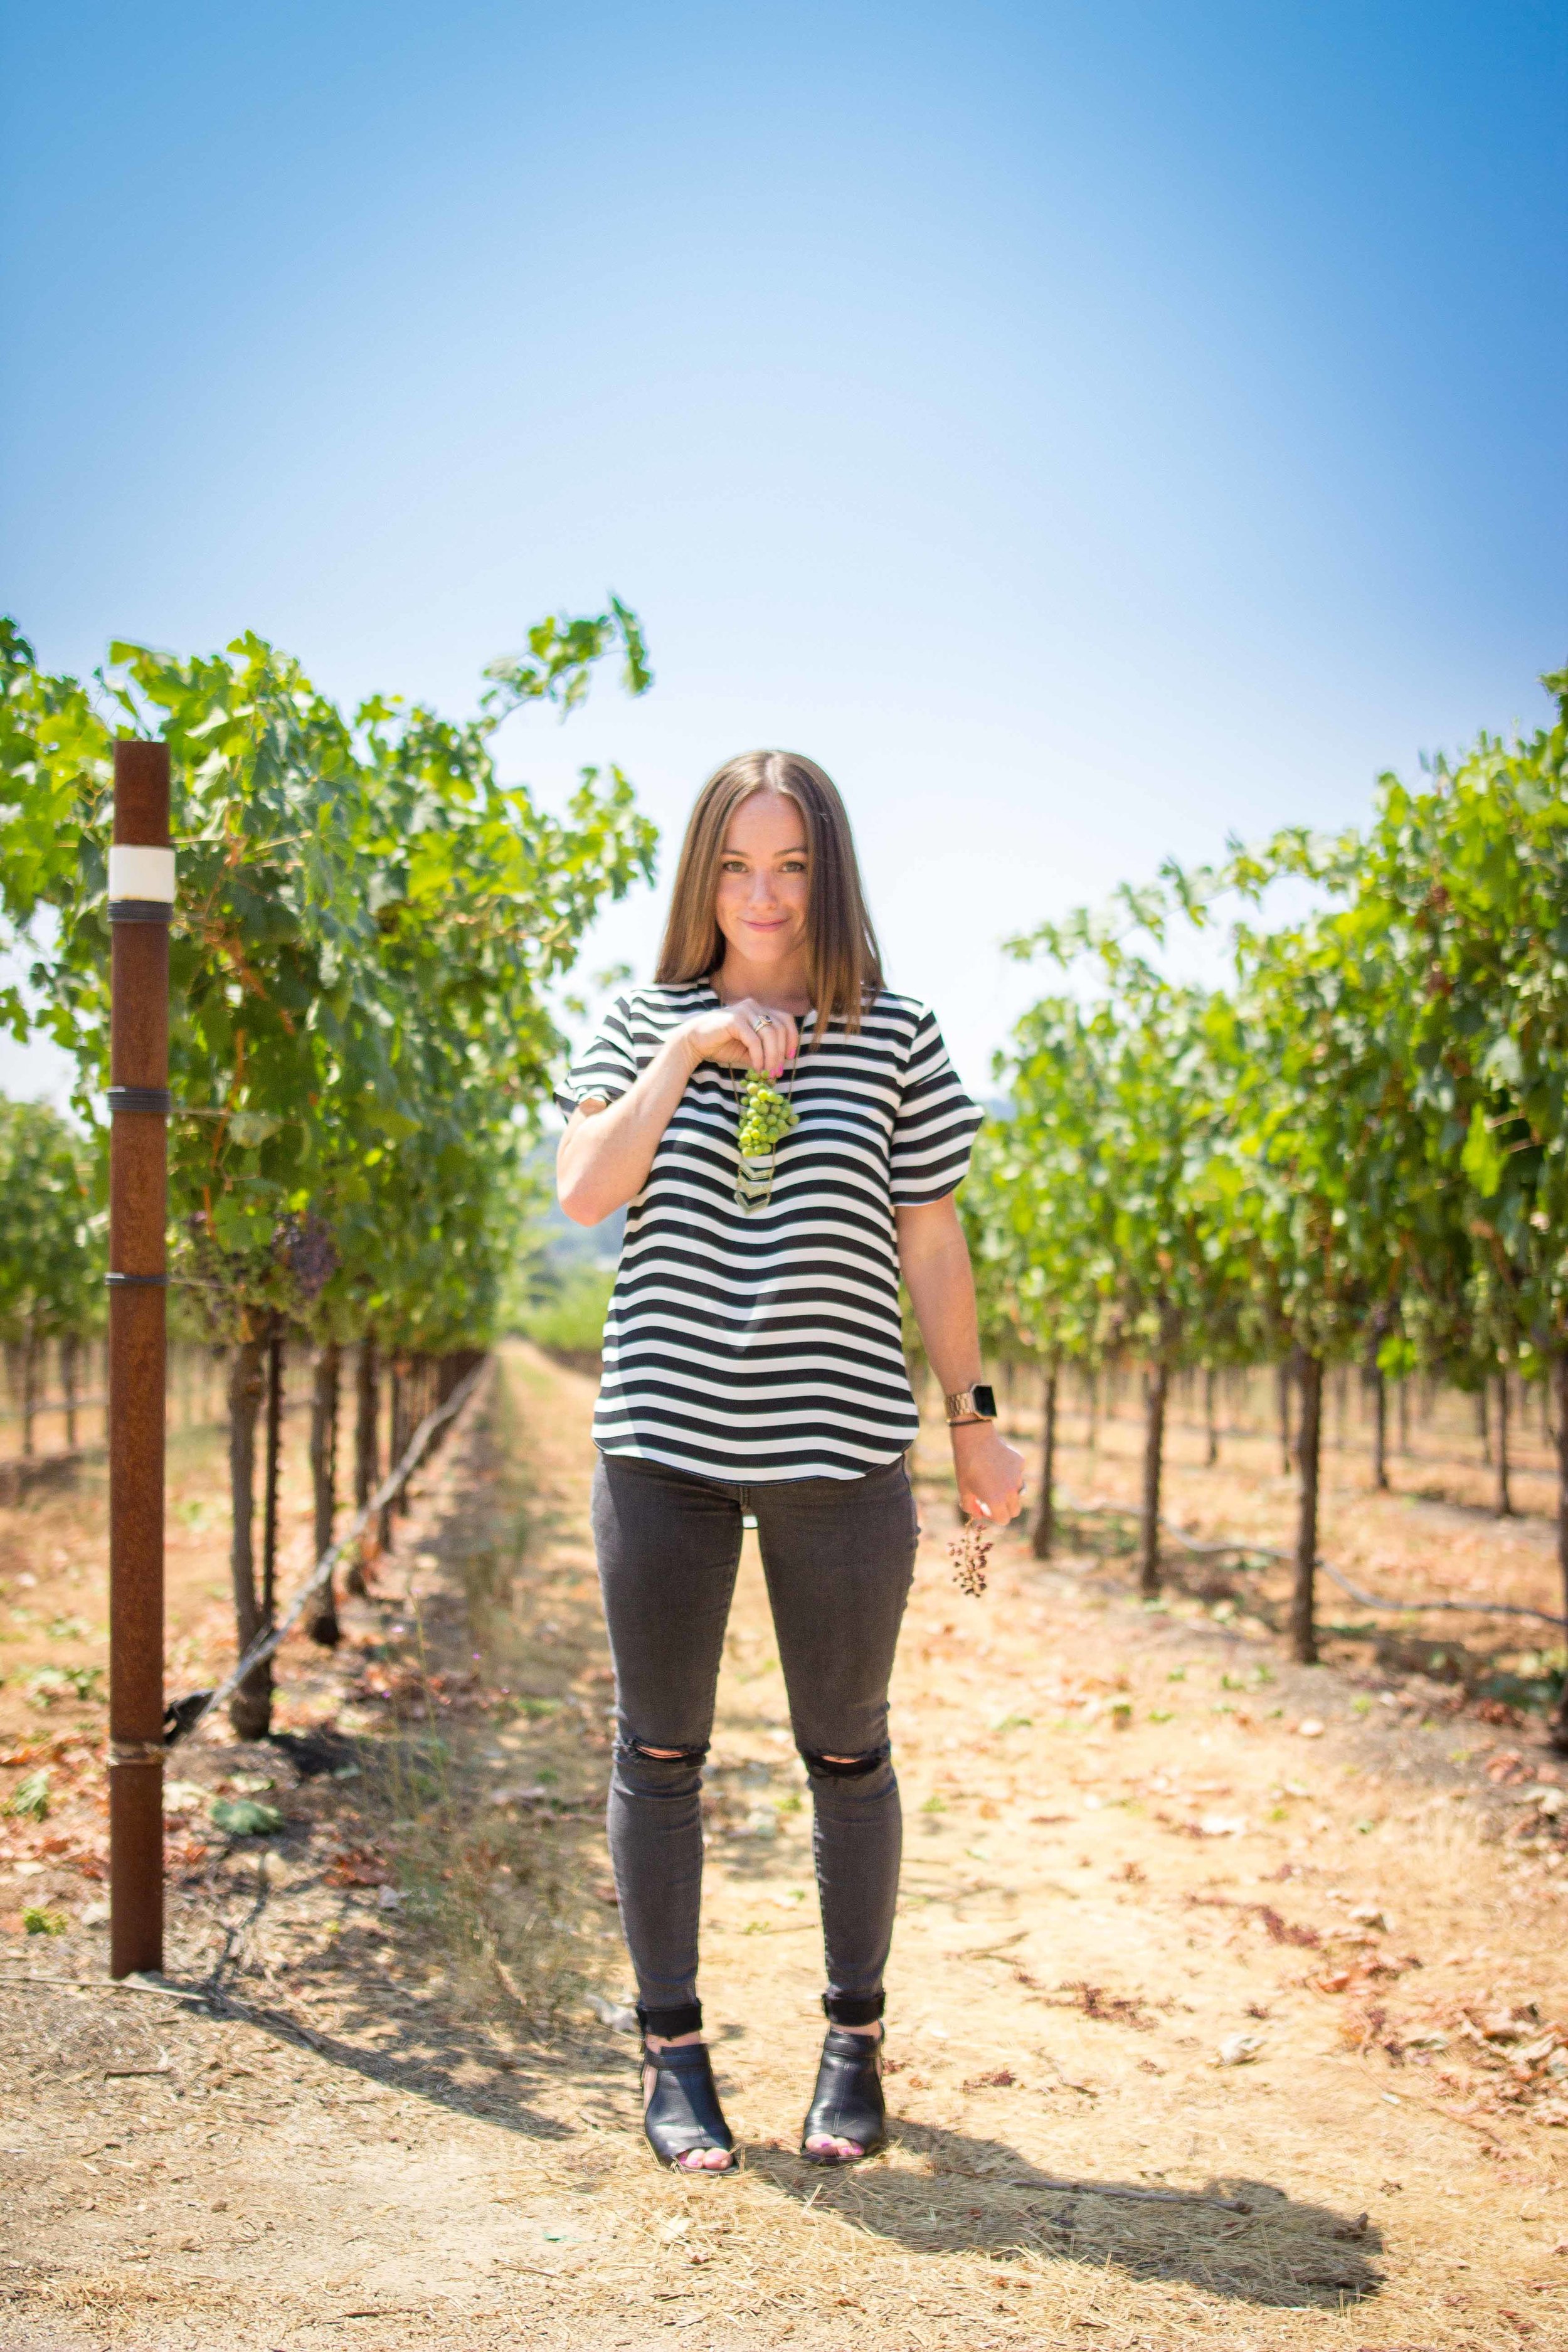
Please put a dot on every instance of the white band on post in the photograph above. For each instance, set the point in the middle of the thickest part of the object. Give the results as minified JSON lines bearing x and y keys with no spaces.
{"x":136,"y":872}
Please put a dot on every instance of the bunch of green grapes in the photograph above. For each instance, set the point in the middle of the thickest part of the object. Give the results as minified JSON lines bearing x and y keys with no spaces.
{"x":765,"y":1116}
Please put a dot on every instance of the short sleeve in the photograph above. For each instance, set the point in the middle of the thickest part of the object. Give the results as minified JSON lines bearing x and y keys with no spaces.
{"x":935,"y":1124}
{"x":606,"y":1067}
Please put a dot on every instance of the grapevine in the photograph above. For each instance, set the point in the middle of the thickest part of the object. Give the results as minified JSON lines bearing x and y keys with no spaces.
{"x":368,"y":926}
{"x":1355,"y":1155}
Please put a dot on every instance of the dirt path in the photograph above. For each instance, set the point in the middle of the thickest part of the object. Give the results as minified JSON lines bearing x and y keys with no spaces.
{"x":392,"y":2118}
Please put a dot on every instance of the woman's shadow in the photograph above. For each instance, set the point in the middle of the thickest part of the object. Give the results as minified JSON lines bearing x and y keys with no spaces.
{"x":1243,"y":2239}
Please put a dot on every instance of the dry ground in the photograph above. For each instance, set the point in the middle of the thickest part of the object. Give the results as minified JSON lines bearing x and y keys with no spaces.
{"x":1434,"y":1535}
{"x":397,"y":2110}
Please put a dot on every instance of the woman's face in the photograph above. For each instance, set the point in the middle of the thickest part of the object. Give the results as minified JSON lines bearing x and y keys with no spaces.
{"x":764,"y":879}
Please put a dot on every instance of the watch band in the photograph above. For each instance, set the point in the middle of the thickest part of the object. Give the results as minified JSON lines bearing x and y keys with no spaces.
{"x":978,"y":1404}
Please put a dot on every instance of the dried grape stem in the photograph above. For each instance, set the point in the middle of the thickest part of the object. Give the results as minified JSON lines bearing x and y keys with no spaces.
{"x":969,"y":1552}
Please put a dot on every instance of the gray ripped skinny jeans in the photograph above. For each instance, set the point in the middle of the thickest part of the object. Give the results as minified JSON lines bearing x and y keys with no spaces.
{"x":838,"y":1555}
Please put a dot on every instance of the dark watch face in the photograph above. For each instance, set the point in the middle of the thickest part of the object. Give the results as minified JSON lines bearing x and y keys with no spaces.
{"x":985,"y":1401}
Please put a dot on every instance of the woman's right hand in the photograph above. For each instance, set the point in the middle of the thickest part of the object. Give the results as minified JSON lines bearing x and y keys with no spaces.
{"x":730,"y":1034}
{"x":607,"y":1149}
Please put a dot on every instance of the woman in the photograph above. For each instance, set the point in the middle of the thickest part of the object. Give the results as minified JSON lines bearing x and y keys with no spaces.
{"x":754,"y":1364}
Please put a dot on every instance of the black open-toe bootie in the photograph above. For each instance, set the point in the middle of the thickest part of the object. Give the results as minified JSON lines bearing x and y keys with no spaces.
{"x":847,"y":2103}
{"x":683,"y":2114}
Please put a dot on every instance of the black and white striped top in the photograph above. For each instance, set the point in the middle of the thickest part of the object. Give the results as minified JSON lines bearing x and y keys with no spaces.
{"x":768,"y":1347}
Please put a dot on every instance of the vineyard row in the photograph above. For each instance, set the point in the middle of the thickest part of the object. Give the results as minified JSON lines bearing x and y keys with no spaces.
{"x":1351,"y":1157}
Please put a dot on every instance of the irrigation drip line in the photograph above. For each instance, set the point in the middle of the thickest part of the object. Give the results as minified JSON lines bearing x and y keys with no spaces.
{"x":1245,"y":1551}
{"x":1464,"y":1607}
{"x":262,"y":1648}
{"x":100,"y":1984}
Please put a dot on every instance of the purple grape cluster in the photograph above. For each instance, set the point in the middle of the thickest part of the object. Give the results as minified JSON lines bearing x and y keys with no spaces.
{"x":306,"y":1248}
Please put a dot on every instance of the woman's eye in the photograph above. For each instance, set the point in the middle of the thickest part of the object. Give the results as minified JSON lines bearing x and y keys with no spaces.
{"x":732,"y":865}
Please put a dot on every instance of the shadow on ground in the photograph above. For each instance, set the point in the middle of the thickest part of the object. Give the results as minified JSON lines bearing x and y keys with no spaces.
{"x":1242,"y":2239}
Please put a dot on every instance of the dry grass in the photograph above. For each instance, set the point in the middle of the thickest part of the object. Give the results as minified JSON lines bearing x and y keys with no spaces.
{"x":1127,"y":1855}
{"x":493,"y":1825}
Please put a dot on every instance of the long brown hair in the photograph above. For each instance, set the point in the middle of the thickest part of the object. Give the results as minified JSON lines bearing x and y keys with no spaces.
{"x":844,"y":961}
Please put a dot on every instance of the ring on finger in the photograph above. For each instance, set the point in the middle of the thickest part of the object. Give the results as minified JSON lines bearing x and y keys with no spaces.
{"x":760,"y":1021}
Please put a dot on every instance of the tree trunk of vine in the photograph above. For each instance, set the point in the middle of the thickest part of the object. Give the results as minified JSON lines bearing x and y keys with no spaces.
{"x":30,"y":1386}
{"x":1483,"y":1425}
{"x":1559,"y":1385}
{"x":1285,"y":1446}
{"x":251,"y":1709}
{"x":269,"y":1482}
{"x":322,"y":1625}
{"x":367,"y":1471}
{"x":394,"y":1442}
{"x":1379,"y":1432}
{"x":1308,"y":1450}
{"x":1504,"y":1497}
{"x":1156,"y":1387}
{"x":67,"y":1382}
{"x":1211,"y":1425}
{"x":1045,"y":1522}
{"x":421,"y":1404}
{"x":413,"y":1413}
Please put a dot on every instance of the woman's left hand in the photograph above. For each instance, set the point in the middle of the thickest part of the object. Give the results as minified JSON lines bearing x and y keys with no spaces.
{"x":990,"y":1472}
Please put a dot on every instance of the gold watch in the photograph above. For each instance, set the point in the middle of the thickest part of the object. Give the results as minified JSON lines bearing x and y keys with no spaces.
{"x":978,"y":1404}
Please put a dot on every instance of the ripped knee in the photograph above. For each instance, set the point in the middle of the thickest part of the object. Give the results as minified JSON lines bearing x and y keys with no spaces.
{"x":846,"y":1768}
{"x":631,"y":1750}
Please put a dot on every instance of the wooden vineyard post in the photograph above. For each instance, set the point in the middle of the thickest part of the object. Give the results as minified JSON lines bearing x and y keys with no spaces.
{"x":140,"y":899}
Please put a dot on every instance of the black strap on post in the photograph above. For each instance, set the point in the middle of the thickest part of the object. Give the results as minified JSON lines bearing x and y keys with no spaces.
{"x":137,"y":1281}
{"x":156,"y":1100}
{"x":140,"y":910}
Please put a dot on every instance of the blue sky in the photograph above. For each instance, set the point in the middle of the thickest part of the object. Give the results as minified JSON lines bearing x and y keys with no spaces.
{"x":1086,"y":429}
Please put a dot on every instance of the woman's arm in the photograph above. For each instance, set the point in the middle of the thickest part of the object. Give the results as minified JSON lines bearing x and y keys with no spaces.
{"x":933,"y":1258}
{"x":607,"y":1149}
